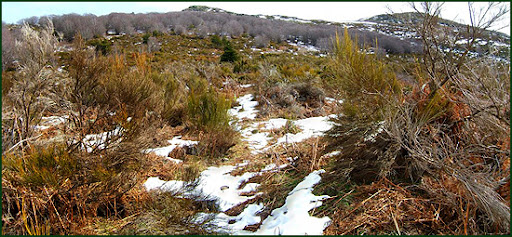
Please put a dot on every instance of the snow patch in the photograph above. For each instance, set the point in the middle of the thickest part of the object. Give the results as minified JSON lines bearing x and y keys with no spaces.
{"x":273,"y":167}
{"x":99,"y":141}
{"x":331,"y":154}
{"x":372,"y":136}
{"x":246,"y":85}
{"x":311,"y":127}
{"x":221,"y":222}
{"x":258,"y":141}
{"x":290,"y":219}
{"x":215,"y":183}
{"x":175,"y":142}
{"x":301,"y":45}
{"x":293,"y":217}
{"x":176,"y":161}
{"x":47,"y":122}
{"x":332,"y":100}
{"x":246,"y":109}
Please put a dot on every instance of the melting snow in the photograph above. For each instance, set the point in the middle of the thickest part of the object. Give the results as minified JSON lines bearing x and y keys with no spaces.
{"x":215,"y":183}
{"x":175,"y":142}
{"x":332,"y":100}
{"x":293,"y":217}
{"x":311,"y":127}
{"x":275,"y":123}
{"x":246,"y":109}
{"x":221,"y":222}
{"x":99,"y":141}
{"x":177,"y":161}
{"x":246,"y":85}
{"x":47,"y":122}
{"x":273,"y":167}
{"x":371,"y":137}
{"x":258,"y":141}
{"x":331,"y":154}
{"x":301,"y":45}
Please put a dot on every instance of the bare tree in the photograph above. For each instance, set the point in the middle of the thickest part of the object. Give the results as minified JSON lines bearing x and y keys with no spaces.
{"x":121,"y":23}
{"x":233,"y":28}
{"x":261,"y":41}
{"x":8,"y":46}
{"x":180,"y":30}
{"x":33,"y":21}
{"x":203,"y":31}
{"x":442,"y":63}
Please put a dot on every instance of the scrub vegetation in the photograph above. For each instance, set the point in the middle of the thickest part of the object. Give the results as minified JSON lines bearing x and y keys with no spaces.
{"x":409,"y":133}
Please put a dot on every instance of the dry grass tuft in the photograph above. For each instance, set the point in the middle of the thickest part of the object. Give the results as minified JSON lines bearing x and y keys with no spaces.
{"x":382,"y":208}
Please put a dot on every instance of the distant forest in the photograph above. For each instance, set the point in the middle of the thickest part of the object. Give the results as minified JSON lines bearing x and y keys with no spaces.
{"x":204,"y":21}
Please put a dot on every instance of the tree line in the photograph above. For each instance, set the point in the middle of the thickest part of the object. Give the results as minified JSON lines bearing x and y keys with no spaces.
{"x":203,"y":23}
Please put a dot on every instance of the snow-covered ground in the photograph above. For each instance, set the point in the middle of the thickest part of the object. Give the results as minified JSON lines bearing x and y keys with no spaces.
{"x":290,"y":219}
{"x":218,"y":185}
{"x":301,"y":45}
{"x":215,"y":183}
{"x":293,"y":217}
{"x":246,"y":109}
{"x":101,"y":140}
{"x":259,"y":140}
{"x":47,"y":122}
{"x":175,"y":142}
{"x":311,"y":127}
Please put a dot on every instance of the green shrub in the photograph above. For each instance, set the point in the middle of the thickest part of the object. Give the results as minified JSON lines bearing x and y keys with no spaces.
{"x":216,"y":41}
{"x":364,"y":81}
{"x":101,"y":45}
{"x":229,"y":55}
{"x":208,"y":111}
{"x":157,"y":33}
{"x":369,"y":90}
{"x":41,"y":167}
{"x":145,"y":38}
{"x":174,"y":97}
{"x":243,"y":66}
{"x":133,"y":90}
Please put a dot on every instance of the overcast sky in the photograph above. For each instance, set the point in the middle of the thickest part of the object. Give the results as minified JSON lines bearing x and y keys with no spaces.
{"x":12,"y":12}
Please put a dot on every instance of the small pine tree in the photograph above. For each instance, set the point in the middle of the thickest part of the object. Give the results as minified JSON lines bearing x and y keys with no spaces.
{"x":216,"y":41}
{"x":145,"y":38}
{"x":229,"y":55}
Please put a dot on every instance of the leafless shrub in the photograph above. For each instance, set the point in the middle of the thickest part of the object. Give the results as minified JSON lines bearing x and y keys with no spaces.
{"x":37,"y":86}
{"x":153,"y":44}
{"x":441,"y":58}
{"x":454,"y":123}
{"x":261,"y":41}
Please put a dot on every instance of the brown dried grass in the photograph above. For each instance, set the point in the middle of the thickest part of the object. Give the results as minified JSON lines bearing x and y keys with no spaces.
{"x":382,"y":208}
